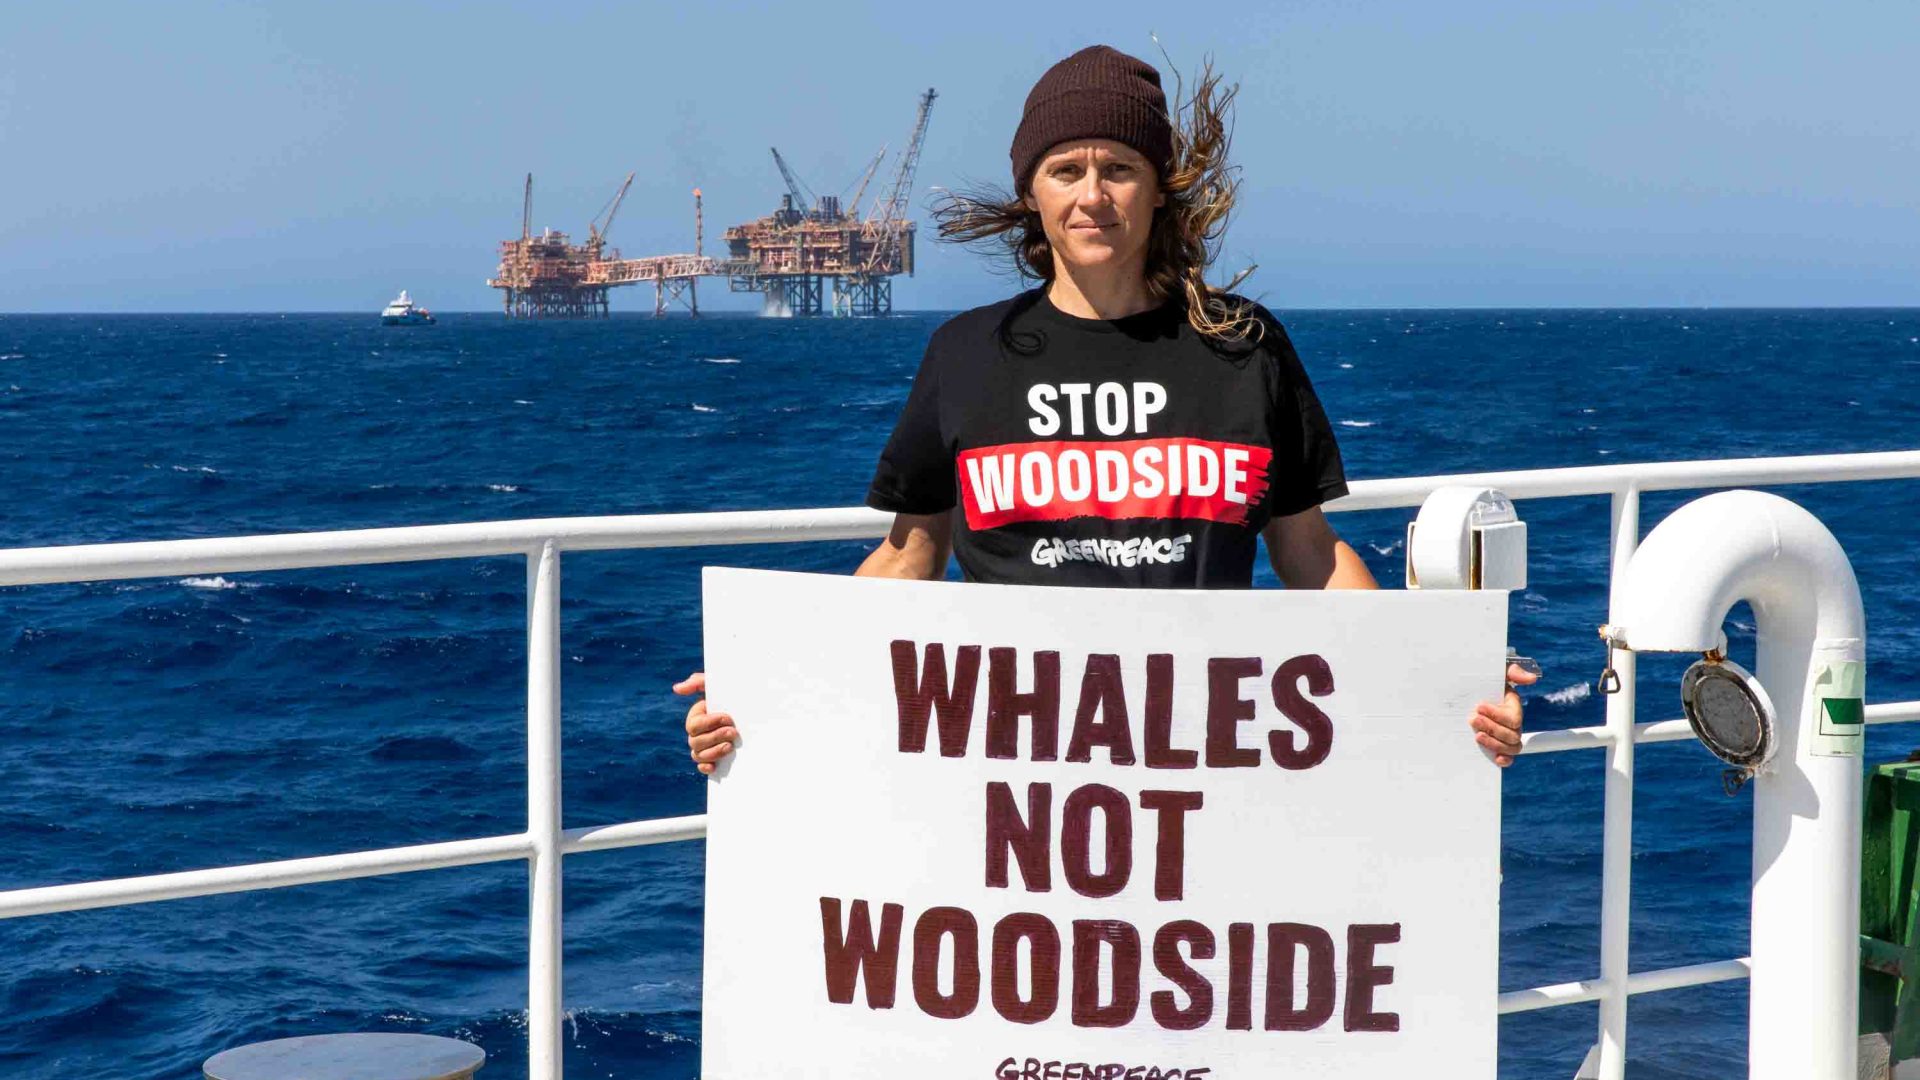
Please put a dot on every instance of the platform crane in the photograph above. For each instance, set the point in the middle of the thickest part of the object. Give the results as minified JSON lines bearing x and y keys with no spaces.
{"x":597,"y":228}
{"x":526,"y":212}
{"x":853,"y":208}
{"x":887,"y":215}
{"x":803,"y":197}
{"x":894,"y":208}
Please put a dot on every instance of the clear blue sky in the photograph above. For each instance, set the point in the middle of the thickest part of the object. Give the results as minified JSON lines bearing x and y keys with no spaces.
{"x":204,"y":157}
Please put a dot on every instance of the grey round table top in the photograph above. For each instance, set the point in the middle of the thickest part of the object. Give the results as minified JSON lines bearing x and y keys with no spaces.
{"x":354,"y":1056}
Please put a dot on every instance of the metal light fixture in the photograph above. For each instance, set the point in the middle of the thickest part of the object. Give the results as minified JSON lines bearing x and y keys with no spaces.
{"x":1731,"y":714}
{"x":1467,"y":538}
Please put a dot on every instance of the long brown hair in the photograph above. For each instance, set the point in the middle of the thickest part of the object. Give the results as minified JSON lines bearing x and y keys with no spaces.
{"x":1185,"y":236}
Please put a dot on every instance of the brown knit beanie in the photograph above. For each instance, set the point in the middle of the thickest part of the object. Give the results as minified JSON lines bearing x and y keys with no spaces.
{"x":1097,"y":93}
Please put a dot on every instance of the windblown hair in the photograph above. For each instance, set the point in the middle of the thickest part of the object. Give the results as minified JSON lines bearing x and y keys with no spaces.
{"x":1185,"y":235}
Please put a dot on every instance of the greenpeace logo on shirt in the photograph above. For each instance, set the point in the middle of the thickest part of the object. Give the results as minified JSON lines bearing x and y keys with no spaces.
{"x":1140,"y":478}
{"x":1139,"y":551}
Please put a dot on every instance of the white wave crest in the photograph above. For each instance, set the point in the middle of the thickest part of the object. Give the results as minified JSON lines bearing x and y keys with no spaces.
{"x":719,"y":359}
{"x":208,"y":583}
{"x":697,"y":407}
{"x":503,"y":487}
{"x":1570,"y":694}
{"x":1356,"y":423}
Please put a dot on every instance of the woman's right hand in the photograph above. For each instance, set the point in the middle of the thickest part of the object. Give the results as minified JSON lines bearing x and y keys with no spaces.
{"x":710,"y":735}
{"x":917,"y":546}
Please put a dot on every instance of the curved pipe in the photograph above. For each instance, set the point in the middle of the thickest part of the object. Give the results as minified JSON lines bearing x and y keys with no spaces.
{"x":1731,"y":546}
{"x":1709,"y":555}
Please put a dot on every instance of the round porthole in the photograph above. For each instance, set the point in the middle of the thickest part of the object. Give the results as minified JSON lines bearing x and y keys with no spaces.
{"x":1731,"y":714}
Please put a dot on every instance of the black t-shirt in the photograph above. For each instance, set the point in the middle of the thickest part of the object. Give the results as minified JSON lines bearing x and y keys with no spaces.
{"x":1125,"y":452}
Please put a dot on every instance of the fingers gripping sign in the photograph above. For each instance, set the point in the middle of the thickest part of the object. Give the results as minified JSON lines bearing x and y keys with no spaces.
{"x":1497,"y":726}
{"x":710,"y":735}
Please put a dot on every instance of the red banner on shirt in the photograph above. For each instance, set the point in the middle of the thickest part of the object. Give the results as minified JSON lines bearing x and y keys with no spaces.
{"x":1141,"y":478}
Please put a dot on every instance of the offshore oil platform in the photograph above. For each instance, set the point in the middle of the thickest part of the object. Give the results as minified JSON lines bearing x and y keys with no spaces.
{"x":812,"y":256}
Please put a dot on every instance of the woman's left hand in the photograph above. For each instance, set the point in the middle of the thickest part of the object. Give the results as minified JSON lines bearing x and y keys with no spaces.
{"x":1497,"y":727}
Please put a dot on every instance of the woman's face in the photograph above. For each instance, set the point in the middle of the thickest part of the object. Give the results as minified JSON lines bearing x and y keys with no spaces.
{"x":1096,"y":198}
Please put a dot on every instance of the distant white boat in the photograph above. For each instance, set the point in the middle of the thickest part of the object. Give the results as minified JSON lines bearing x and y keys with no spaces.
{"x":403,"y":312}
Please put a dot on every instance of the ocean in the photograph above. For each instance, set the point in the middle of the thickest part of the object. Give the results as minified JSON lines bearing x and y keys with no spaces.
{"x":170,"y":724}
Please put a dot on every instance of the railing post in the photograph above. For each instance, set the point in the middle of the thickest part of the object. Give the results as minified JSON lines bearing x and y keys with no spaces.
{"x":1616,"y":860}
{"x":543,"y":813}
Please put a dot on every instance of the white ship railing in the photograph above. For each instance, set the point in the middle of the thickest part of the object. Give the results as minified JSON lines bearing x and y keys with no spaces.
{"x":544,"y":843}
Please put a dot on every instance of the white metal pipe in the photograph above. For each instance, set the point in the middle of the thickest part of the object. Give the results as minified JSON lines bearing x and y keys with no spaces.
{"x":1551,"y":996}
{"x":1660,"y":731}
{"x":1616,"y":842}
{"x":1647,"y":476}
{"x":544,"y":971}
{"x":1641,"y":982}
{"x":1739,"y":545}
{"x":1558,"y":740}
{"x":119,"y":892}
{"x":357,"y":547}
{"x":288,"y":551}
{"x":633,"y":834}
{"x":1674,"y":978}
{"x":1709,"y":555}
{"x":1893,"y":712}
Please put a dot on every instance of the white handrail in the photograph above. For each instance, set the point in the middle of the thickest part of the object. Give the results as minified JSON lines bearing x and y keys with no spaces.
{"x":544,"y":844}
{"x":1640,"y":982}
{"x":1659,"y":731}
{"x":359,"y":547}
{"x":419,"y":543}
{"x":122,"y":892}
{"x":1616,"y":829}
{"x":545,"y":1050}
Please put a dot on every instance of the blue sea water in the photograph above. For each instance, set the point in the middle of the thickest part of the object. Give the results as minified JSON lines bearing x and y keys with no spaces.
{"x":157,"y":725}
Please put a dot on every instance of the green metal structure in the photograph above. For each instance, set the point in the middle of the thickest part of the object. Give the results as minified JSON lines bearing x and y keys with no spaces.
{"x":1890,"y":908}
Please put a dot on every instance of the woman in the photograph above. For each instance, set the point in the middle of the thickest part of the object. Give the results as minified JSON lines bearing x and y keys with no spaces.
{"x":1124,"y":424}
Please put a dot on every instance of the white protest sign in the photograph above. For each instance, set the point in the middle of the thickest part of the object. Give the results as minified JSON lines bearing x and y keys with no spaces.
{"x":1018,"y":833}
